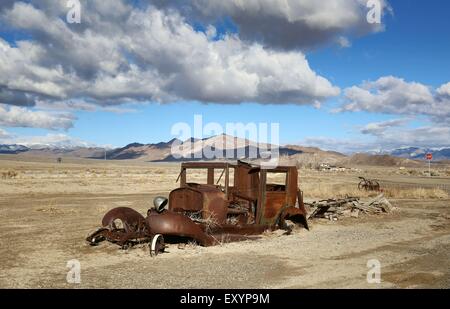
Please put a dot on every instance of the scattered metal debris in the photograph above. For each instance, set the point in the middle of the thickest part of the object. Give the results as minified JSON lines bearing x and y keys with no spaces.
{"x":348,"y":207}
{"x":368,"y":184}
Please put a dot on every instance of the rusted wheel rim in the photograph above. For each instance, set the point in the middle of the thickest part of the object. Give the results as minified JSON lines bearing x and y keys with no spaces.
{"x":361,"y":185}
{"x":157,"y":245}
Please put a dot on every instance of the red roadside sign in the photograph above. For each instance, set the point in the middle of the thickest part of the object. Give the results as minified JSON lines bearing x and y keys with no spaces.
{"x":429,"y":156}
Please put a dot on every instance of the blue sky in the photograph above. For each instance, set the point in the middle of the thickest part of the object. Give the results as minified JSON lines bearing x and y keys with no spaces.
{"x":414,"y":48}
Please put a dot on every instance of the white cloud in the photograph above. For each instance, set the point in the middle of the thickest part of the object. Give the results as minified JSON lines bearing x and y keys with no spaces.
{"x":394,"y":95}
{"x":444,"y":90}
{"x":14,"y":116}
{"x":428,"y":136}
{"x":4,"y":134}
{"x":343,"y":42}
{"x":393,"y":134}
{"x":385,"y":140}
{"x":46,"y":141}
{"x":336,"y":144}
{"x":80,"y":105}
{"x":377,"y":128}
{"x":284,"y":24}
{"x":121,"y":53}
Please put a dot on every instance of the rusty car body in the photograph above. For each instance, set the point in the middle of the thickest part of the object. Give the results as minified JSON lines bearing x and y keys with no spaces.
{"x":235,"y":202}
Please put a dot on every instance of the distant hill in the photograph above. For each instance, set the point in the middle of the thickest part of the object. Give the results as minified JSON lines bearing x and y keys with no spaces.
{"x":54,"y":152}
{"x":313,"y":156}
{"x":378,"y":160}
{"x":419,"y":153}
{"x":13,"y":149}
{"x":142,"y":152}
{"x":221,"y":146}
{"x":230,"y":147}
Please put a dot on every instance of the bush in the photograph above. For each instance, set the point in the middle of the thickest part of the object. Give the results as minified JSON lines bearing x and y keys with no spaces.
{"x":9,"y":175}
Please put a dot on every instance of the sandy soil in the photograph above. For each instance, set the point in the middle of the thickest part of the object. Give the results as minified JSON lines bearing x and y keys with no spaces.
{"x":48,"y":209}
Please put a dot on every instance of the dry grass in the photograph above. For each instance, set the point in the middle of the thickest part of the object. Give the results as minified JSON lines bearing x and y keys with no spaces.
{"x":416,"y":193}
{"x":159,"y":171}
{"x":75,"y":204}
{"x":9,"y":174}
{"x":325,"y":191}
{"x":210,"y":221}
{"x":126,"y":178}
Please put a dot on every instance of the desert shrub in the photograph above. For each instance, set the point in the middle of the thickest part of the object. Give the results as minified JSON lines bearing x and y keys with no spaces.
{"x":9,"y":174}
{"x":413,"y":172}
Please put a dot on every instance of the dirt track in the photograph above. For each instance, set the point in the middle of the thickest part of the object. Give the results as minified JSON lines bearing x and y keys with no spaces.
{"x":46,"y":218}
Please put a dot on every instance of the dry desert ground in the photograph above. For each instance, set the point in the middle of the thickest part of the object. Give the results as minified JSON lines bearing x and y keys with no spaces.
{"x":47,"y":209}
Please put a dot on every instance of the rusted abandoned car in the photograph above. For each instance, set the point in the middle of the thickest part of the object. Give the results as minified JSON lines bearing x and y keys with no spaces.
{"x":236,"y":202}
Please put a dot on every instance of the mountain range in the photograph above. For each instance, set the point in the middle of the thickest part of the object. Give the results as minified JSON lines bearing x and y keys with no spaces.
{"x":417,"y":153}
{"x":222,"y":146}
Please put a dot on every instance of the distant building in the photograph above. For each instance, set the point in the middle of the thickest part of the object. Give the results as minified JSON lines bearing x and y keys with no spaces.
{"x":324,"y":167}
{"x":331,"y":168}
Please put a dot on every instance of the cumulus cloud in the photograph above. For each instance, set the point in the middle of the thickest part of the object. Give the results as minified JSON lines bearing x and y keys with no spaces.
{"x":14,"y":116}
{"x":393,"y":134}
{"x":393,"y":95}
{"x":285,"y":24}
{"x":428,"y":136}
{"x":15,"y":97}
{"x":80,"y":105}
{"x":338,"y":144}
{"x":444,"y":90}
{"x":385,"y":136}
{"x":378,"y":128}
{"x":122,"y":53}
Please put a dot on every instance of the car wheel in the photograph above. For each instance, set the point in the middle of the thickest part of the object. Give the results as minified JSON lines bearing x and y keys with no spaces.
{"x":157,"y":245}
